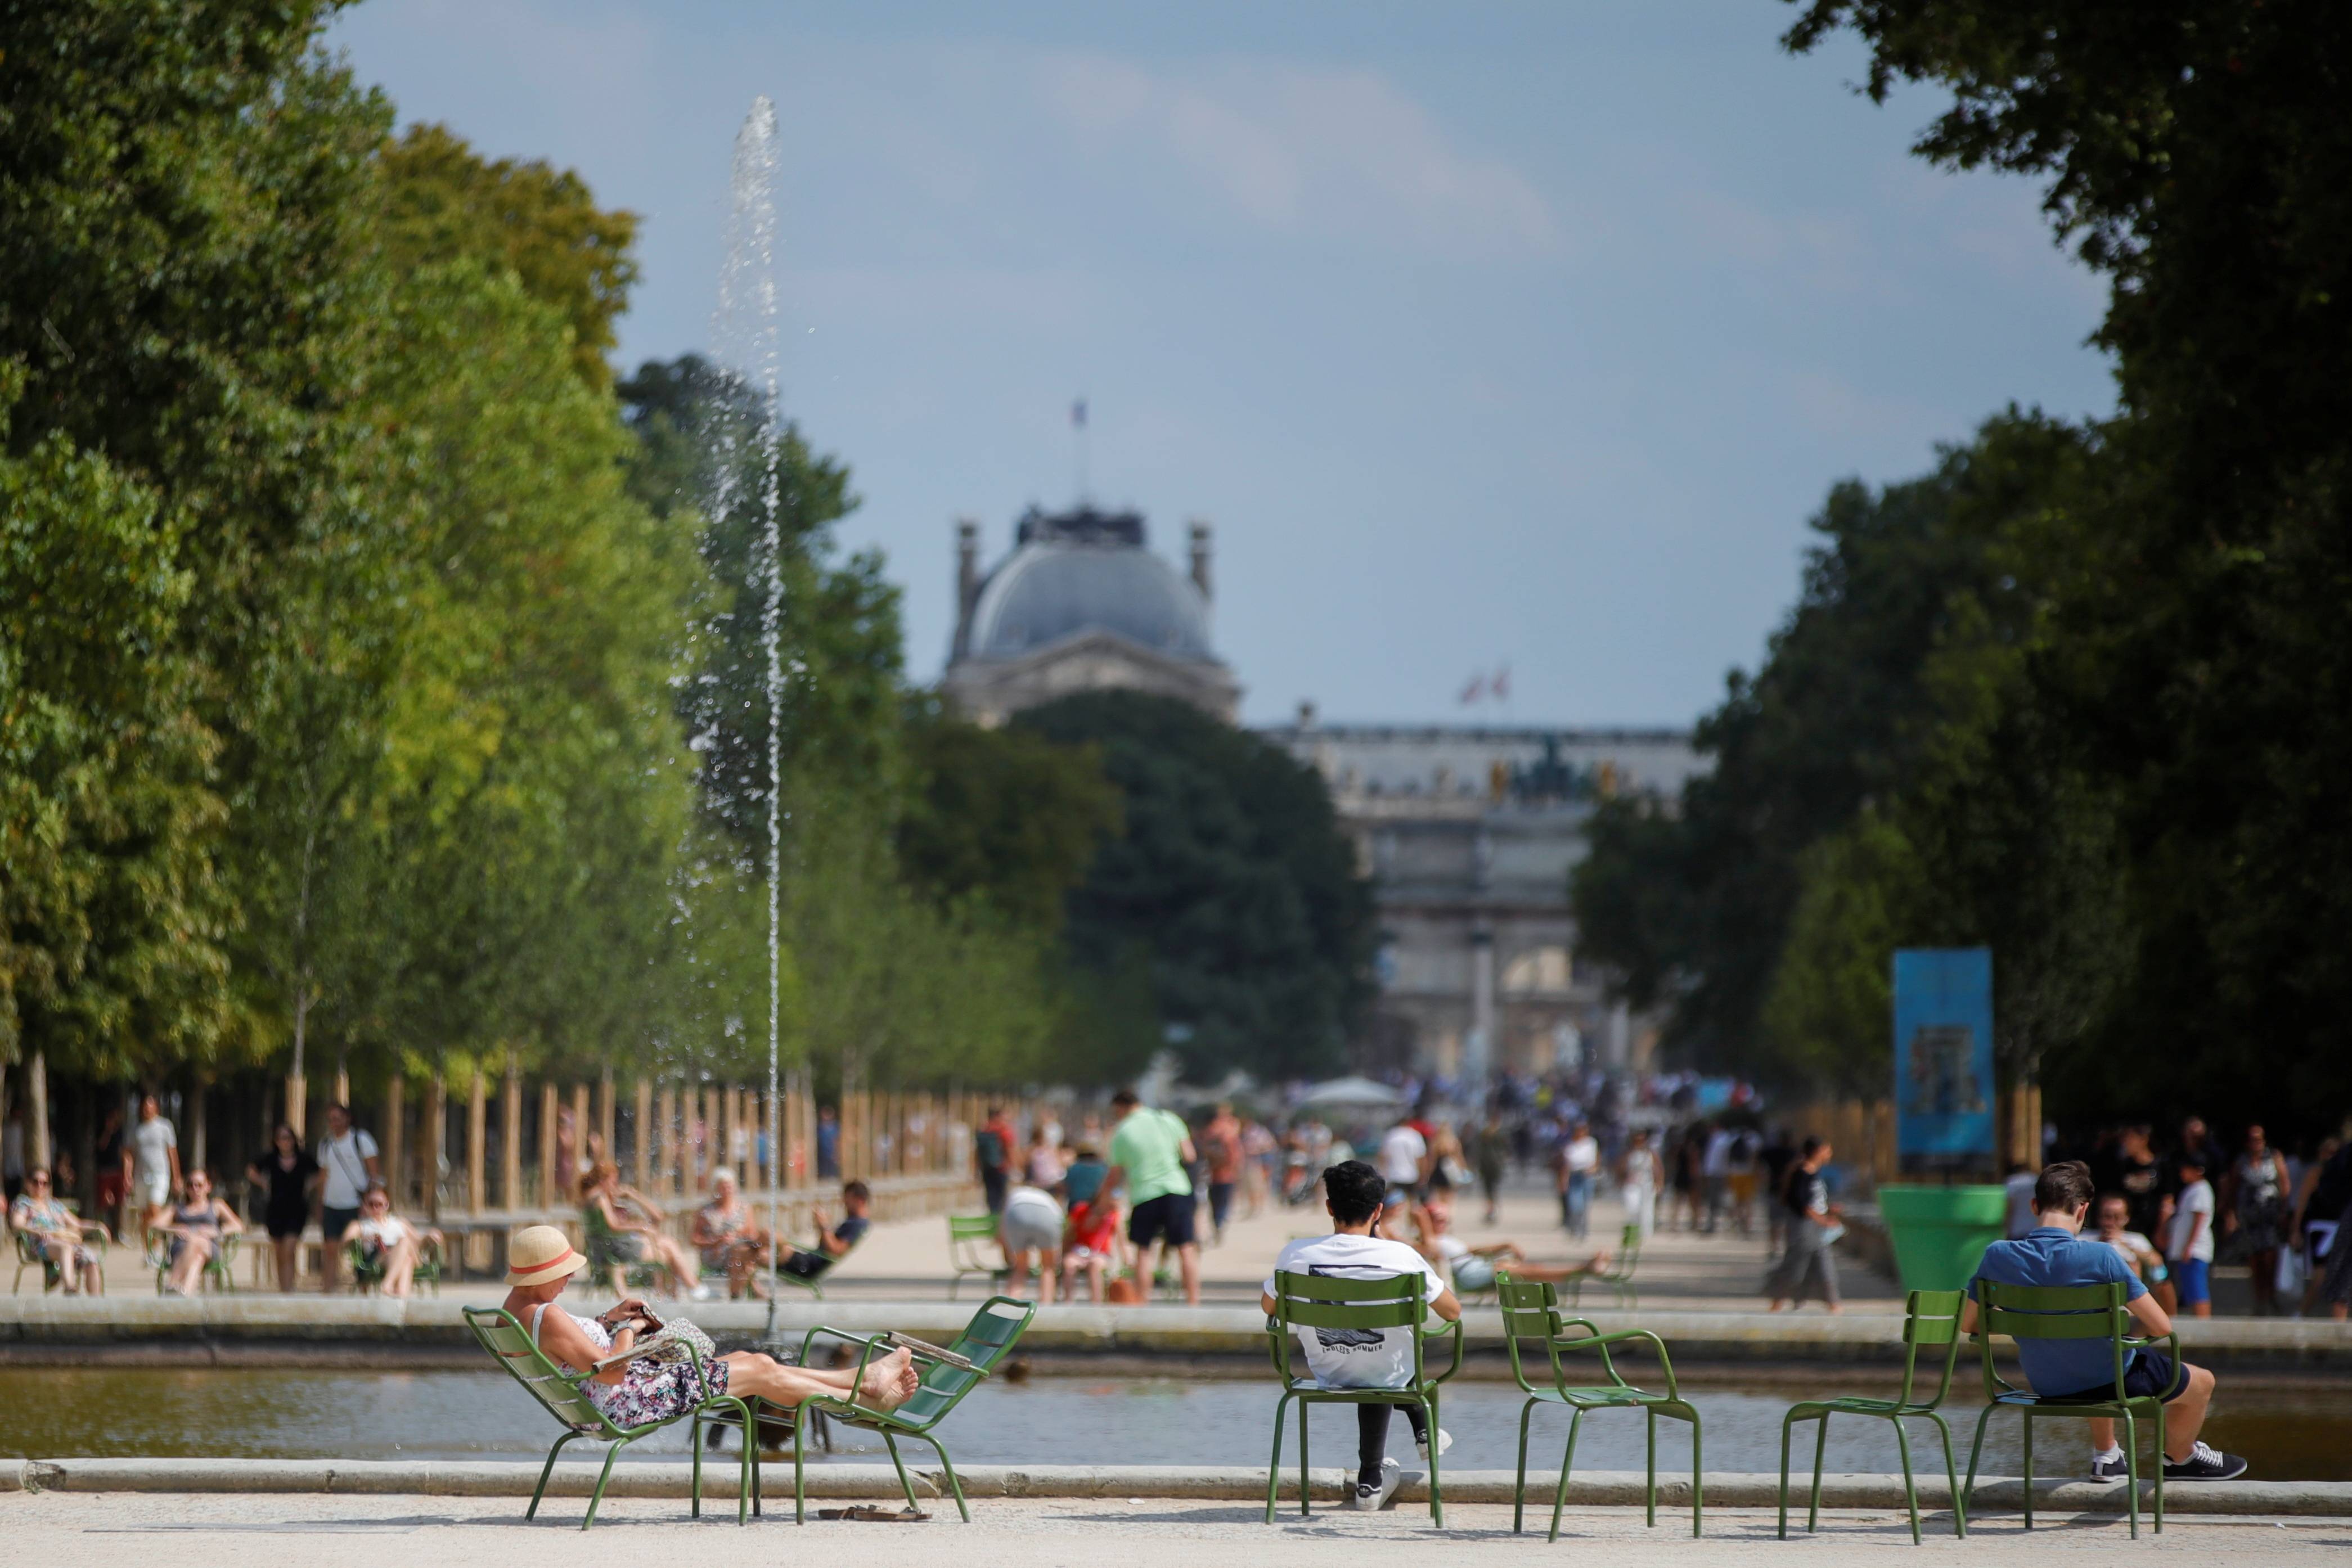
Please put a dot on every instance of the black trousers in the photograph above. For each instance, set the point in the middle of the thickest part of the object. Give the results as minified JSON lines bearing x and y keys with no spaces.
{"x":1372,"y":1437}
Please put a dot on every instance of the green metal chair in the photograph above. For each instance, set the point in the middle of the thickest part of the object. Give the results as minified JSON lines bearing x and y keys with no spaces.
{"x":984,"y":1342}
{"x":1328,"y":1302}
{"x":2070,"y":1312}
{"x":367,"y":1273}
{"x":1930,"y":1318}
{"x":215,"y":1274}
{"x":31,"y":1255}
{"x":600,"y":1244}
{"x":1532,"y":1311}
{"x":968,"y":1236}
{"x":563,"y":1396}
{"x":1618,"y":1276}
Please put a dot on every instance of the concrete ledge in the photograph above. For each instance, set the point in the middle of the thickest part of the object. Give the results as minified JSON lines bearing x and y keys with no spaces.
{"x":193,"y":1325}
{"x":1239,"y":1483}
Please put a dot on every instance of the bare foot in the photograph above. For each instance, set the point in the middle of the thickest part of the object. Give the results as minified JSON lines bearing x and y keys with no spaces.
{"x":889,"y":1382}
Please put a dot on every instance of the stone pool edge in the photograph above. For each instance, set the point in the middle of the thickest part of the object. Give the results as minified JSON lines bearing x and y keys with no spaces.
{"x":496,"y":1478}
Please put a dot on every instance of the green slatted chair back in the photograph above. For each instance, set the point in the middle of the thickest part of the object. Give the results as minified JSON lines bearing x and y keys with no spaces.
{"x":985,"y":1341}
{"x":1530,"y":1312}
{"x":2053,"y":1312}
{"x":558,"y":1392}
{"x":971,"y":1243}
{"x":1333,"y":1301}
{"x":1930,"y":1318}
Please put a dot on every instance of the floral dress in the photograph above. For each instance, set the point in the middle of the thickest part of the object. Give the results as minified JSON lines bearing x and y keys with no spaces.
{"x":652,"y":1388}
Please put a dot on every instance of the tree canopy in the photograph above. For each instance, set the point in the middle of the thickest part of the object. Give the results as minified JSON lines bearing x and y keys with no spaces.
{"x":1229,"y":882}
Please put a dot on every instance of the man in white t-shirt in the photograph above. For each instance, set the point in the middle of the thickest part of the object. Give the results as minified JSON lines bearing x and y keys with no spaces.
{"x":1404,"y":1164}
{"x":154,"y":1155}
{"x":1353,"y":1192}
{"x":347,"y":1158}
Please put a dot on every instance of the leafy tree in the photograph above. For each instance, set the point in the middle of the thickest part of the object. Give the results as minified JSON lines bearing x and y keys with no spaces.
{"x":2196,"y":152}
{"x":701,"y":458}
{"x":1231,"y":878}
{"x":1003,"y":817}
{"x":1693,"y":905}
{"x":1829,"y":1012}
{"x":111,"y":918}
{"x":443,"y":201}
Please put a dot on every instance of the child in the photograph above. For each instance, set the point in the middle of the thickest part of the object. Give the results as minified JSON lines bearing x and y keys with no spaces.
{"x":2189,"y":1244}
{"x":1090,"y":1239}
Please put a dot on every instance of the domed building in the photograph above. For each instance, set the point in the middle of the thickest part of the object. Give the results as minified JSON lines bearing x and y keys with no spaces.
{"x":1080,"y":604}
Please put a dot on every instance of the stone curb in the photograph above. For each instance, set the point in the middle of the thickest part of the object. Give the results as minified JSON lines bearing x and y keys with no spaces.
{"x":494,"y":1478}
{"x":2315,"y":1343}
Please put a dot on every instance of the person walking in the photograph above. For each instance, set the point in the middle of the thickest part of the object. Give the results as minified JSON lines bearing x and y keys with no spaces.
{"x":1806,"y":1268}
{"x":991,"y":1156}
{"x":348,"y":1162}
{"x":154,"y":1159}
{"x":1148,"y":1153}
{"x":1579,"y":1160}
{"x":1221,"y":1147}
{"x":1644,"y":1174}
{"x":1490,"y":1154}
{"x":286,"y":1175}
{"x":2255,"y":1219}
{"x":2189,"y":1240}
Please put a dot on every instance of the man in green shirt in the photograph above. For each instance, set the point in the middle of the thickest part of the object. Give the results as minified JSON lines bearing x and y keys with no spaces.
{"x":1149,"y":1150}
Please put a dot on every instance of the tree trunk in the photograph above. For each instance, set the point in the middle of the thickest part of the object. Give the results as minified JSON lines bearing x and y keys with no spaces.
{"x":510,"y":1139}
{"x":36,"y":1110}
{"x":395,"y":1137}
{"x":435,"y":1139}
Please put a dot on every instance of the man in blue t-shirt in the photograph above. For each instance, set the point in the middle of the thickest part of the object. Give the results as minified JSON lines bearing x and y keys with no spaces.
{"x":2081,"y":1370}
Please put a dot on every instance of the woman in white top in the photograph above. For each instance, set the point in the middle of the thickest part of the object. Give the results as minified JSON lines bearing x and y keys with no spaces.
{"x":542,"y":1263}
{"x":387,"y":1241}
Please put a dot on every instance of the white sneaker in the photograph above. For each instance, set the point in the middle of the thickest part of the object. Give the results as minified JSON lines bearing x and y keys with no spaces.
{"x":1371,"y":1500}
{"x":1445,"y":1441}
{"x":704,"y":1294}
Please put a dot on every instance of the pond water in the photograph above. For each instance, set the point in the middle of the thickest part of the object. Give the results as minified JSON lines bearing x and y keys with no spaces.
{"x":2290,"y":1431}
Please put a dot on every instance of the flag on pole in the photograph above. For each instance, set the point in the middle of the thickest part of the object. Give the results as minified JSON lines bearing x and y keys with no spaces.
{"x":1474,"y":690}
{"x":1501,"y":685}
{"x":1078,"y":414}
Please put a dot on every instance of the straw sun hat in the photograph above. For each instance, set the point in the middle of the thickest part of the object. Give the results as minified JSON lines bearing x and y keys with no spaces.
{"x":538,"y":1253}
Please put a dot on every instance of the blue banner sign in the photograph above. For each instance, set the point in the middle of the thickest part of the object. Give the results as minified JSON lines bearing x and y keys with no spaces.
{"x":1943,"y":1053}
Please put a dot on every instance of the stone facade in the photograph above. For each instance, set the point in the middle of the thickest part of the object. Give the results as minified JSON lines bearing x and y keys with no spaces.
{"x":1468,"y":835}
{"x":1080,"y":604}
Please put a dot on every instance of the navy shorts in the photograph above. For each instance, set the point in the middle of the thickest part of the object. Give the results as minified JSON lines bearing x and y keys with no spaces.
{"x":2150,"y":1375}
{"x":1169,"y":1215}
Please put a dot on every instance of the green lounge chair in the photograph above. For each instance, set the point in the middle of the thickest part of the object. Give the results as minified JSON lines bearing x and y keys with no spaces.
{"x":215,"y":1274}
{"x":2070,"y":1312}
{"x":968,"y":1235}
{"x":564,"y":1397}
{"x":367,"y":1273}
{"x":975,"y":1353}
{"x":1618,"y":1276}
{"x":1930,"y":1318}
{"x":600,"y":1244}
{"x":30,"y":1254}
{"x":1328,"y":1302}
{"x":1532,"y":1311}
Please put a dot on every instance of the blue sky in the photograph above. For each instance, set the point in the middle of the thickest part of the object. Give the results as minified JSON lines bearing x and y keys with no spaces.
{"x":1524,"y":333}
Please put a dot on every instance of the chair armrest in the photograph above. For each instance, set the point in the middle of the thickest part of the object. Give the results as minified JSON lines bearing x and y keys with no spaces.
{"x":867,"y":1344}
{"x":1601,"y":1342}
{"x":1454,"y":1329}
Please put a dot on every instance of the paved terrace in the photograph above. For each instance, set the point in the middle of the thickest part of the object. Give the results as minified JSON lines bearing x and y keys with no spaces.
{"x":412,"y":1531}
{"x":1697,"y":1290}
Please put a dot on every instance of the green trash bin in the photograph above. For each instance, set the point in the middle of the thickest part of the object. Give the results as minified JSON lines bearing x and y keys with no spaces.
{"x":1940,"y":1233}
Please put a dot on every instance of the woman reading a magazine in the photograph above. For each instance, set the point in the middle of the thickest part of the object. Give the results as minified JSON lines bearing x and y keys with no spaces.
{"x":655,"y":1387}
